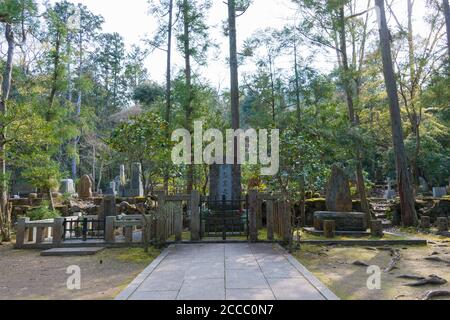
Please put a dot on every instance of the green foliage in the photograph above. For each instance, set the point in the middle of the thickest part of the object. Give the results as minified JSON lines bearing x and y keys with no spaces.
{"x":143,"y":139}
{"x":42,"y":213}
{"x":148,"y":93}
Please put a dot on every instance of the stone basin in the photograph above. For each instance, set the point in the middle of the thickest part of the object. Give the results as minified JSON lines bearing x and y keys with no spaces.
{"x":345,"y":221}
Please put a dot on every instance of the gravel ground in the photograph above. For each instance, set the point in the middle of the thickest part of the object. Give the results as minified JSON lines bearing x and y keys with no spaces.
{"x":334,"y":267}
{"x":25,"y":275}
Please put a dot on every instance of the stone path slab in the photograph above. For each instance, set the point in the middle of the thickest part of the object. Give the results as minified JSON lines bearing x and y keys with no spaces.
{"x":237,"y":271}
{"x":64,"y":252}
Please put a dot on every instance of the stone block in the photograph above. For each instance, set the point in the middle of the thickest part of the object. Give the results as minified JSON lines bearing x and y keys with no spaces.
{"x":345,"y":221}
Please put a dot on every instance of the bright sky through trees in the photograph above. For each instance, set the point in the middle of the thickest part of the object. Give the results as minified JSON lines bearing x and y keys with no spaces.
{"x":132,"y":20}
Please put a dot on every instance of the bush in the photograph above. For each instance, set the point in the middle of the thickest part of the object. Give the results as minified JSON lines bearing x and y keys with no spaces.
{"x":43,"y":213}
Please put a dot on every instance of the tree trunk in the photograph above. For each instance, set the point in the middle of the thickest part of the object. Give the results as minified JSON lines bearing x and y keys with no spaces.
{"x":168,"y":84}
{"x":188,"y":98}
{"x":272,"y":88}
{"x":297,"y":85}
{"x":415,"y":121}
{"x":78,"y":105}
{"x":5,"y":214}
{"x":447,"y":23}
{"x":234,"y":95}
{"x":408,"y":211}
{"x":352,"y":114}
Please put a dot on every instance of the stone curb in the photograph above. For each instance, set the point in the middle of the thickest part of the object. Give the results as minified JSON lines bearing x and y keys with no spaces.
{"x":371,"y":243}
{"x":133,"y":286}
{"x":323,"y":289}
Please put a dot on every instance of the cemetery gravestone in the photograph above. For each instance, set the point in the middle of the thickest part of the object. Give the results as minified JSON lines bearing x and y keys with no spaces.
{"x":137,"y":187}
{"x":122,"y":181}
{"x":339,"y":205}
{"x":338,"y":192}
{"x":439,"y":192}
{"x":390,"y":193}
{"x":86,"y":187}
{"x":67,"y":186}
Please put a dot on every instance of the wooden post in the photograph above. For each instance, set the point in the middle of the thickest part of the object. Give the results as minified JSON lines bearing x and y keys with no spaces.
{"x":376,"y":228}
{"x":109,"y":230}
{"x":58,"y":230}
{"x":161,"y":195}
{"x":442,"y":224}
{"x":287,"y":221}
{"x":252,"y":203}
{"x":178,"y":225}
{"x":128,"y":234}
{"x":259,"y":216}
{"x":195,"y":216}
{"x":21,"y":228}
{"x":270,"y":220}
{"x":329,"y":229}
{"x":39,"y":235}
{"x":425,"y":222}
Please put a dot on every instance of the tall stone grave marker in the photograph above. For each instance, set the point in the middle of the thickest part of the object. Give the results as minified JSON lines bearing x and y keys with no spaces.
{"x":137,"y":187}
{"x":86,"y":187}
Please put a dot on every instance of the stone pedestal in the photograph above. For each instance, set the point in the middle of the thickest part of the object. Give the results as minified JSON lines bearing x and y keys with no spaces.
{"x":425,"y":222}
{"x":345,"y":221}
{"x":108,"y":207}
{"x":376,"y":228}
{"x":329,"y":229}
{"x":442,"y":224}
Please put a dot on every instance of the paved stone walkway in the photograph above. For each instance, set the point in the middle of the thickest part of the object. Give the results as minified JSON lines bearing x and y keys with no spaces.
{"x":226,"y":272}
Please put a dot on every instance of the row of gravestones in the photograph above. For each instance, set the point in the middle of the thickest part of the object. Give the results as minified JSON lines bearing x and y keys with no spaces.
{"x":438,"y":192}
{"x":121,"y":186}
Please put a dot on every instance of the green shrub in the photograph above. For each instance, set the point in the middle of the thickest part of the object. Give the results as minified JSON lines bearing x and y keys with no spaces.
{"x":42,"y":213}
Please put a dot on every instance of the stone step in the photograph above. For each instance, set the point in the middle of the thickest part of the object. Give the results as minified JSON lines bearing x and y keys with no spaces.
{"x":387,"y":224}
{"x":65,"y":252}
{"x":381,"y":216}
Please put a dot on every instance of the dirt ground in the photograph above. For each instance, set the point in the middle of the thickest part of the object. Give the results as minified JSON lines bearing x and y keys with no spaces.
{"x":28,"y":276}
{"x":334,"y":267}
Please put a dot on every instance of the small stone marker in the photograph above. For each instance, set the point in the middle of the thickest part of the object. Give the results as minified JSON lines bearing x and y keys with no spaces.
{"x":390,"y":193}
{"x":376,"y":228}
{"x":425,"y":222}
{"x":442,"y":224}
{"x":329,"y":229}
{"x":67,"y":186}
{"x":439,"y":192}
{"x":112,"y":188}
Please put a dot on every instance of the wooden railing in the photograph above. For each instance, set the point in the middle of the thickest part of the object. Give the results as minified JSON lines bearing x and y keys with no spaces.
{"x":166,"y":222}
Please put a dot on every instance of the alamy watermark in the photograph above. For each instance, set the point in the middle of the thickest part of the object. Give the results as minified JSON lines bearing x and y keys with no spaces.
{"x":74,"y":280}
{"x":252,"y":147}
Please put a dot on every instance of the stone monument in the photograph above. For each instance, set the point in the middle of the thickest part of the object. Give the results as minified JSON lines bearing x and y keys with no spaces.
{"x":86,"y":187}
{"x":439,"y":192}
{"x":390,"y":193}
{"x":67,"y":186}
{"x":137,"y":187}
{"x":339,"y":205}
